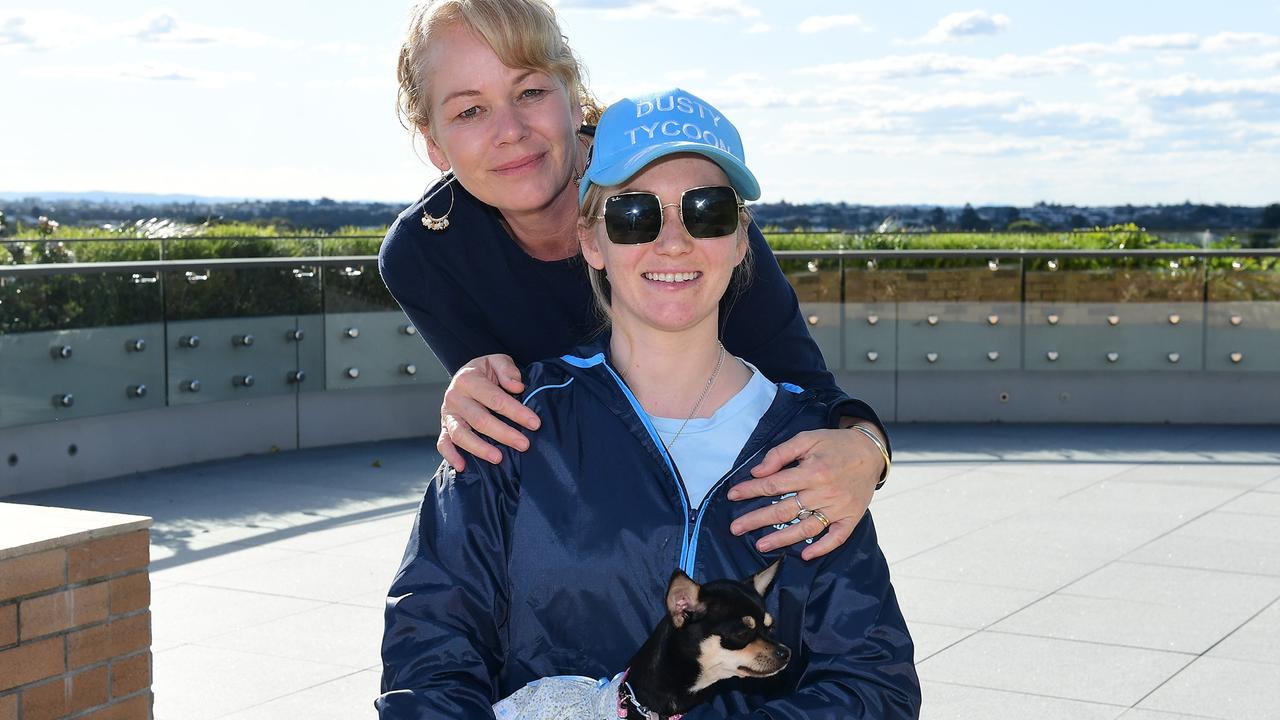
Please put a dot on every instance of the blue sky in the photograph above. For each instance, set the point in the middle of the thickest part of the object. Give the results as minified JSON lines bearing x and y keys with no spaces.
{"x":925,"y":102}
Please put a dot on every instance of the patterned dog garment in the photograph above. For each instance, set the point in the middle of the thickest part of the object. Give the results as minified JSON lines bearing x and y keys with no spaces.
{"x":562,"y":697}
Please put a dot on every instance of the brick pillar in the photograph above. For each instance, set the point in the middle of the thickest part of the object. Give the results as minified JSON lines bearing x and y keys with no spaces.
{"x":75,"y":623}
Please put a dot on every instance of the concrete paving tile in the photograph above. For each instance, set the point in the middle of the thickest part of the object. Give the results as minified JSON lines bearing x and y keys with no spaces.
{"x":353,"y":531}
{"x":1219,"y":541}
{"x":1221,"y":688}
{"x":1057,"y":668}
{"x":182,"y":614}
{"x":371,"y":599}
{"x":200,"y":683}
{"x":957,"y":604}
{"x":322,"y":534}
{"x":1070,"y":473}
{"x":1153,"y":715}
{"x":911,"y":476}
{"x":345,"y":635}
{"x":913,"y":522}
{"x":386,"y":551}
{"x":1045,"y":559}
{"x":1271,"y":487}
{"x":345,"y":698}
{"x":1256,"y":641}
{"x":1200,"y":474}
{"x":931,"y":639}
{"x":1061,"y":541}
{"x":1148,"y":606}
{"x":309,"y":575}
{"x":959,"y":702}
{"x":1254,"y":503}
{"x":186,"y":565}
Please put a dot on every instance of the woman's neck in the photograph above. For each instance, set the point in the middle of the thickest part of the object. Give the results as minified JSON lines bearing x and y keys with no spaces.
{"x":550,"y":232}
{"x":668,"y":372}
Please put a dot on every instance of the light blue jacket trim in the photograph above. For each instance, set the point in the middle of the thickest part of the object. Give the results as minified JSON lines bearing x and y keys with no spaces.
{"x":796,"y":389}
{"x":598,"y":359}
{"x":545,"y":387}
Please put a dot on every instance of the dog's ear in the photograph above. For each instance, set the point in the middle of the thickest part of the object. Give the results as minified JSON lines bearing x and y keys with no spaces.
{"x":763,"y":580}
{"x":682,"y":599}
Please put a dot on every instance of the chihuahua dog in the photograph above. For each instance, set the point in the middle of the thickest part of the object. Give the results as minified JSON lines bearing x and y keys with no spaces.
{"x":711,"y":632}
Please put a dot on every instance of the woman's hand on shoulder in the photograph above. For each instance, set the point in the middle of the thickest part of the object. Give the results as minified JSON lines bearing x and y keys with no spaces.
{"x":481,"y":391}
{"x":836,"y":475}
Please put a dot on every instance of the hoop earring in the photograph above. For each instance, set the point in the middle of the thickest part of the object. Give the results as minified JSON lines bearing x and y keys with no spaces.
{"x":578,"y":174}
{"x":438,"y":224}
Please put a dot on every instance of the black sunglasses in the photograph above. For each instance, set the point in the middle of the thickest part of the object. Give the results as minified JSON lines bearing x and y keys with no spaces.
{"x":634,"y":218}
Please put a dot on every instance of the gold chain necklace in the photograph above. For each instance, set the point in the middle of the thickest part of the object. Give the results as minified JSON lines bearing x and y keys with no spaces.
{"x":710,"y":381}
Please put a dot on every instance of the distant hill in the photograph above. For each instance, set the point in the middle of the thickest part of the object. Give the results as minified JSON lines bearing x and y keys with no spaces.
{"x":102,"y":196}
{"x":99,"y":208}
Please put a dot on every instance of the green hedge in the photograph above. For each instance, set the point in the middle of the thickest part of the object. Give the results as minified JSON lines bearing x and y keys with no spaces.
{"x":65,"y":301}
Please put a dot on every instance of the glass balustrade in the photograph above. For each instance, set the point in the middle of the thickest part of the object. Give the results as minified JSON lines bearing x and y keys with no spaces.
{"x":92,"y":342}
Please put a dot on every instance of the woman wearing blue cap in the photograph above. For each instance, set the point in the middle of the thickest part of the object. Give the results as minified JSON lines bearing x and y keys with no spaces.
{"x":487,"y":264}
{"x":555,"y":560}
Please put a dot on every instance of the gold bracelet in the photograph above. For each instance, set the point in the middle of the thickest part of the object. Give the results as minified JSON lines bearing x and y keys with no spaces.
{"x":883,"y":452}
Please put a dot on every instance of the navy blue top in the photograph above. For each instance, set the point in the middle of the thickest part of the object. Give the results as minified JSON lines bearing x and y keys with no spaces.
{"x":472,"y":291}
{"x":555,"y":561}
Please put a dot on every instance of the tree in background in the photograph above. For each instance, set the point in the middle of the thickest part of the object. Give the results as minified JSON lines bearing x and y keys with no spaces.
{"x":971,"y":221}
{"x":4,"y":229}
{"x":1270,"y":217}
{"x":1024,"y":226}
{"x":937,"y":219}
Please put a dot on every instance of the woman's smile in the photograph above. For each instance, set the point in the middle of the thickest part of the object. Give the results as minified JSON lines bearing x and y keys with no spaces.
{"x":672,"y":280}
{"x":528,"y":162}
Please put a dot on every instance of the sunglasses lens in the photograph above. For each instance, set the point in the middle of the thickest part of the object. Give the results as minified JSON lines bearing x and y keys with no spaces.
{"x":632,"y":218}
{"x":710,"y":212}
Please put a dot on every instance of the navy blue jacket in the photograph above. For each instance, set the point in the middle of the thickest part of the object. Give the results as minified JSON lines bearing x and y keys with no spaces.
{"x":471,"y":291}
{"x":556,"y":561}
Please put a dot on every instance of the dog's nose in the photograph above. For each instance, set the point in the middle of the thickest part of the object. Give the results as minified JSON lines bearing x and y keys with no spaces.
{"x":783,"y":653}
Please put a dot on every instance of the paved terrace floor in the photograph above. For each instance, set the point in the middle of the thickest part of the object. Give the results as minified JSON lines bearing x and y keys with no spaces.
{"x":1046,"y":571}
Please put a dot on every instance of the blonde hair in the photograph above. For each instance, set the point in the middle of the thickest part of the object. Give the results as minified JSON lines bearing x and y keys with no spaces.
{"x":522,"y":33}
{"x":589,"y":212}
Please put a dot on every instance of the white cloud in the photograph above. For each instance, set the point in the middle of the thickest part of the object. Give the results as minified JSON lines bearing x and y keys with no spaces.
{"x":1263,"y":63}
{"x":1168,"y":43}
{"x":932,"y":64}
{"x":1134,"y":43}
{"x":42,"y":30}
{"x":163,"y":27}
{"x":1175,"y":41}
{"x":137,"y":72}
{"x":1228,"y":41}
{"x":961,"y":25}
{"x":818,"y":23}
{"x":759,"y":27}
{"x":678,"y":9}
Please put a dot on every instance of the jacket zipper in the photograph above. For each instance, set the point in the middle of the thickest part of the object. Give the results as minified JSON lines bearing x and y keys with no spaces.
{"x":696,"y":515}
{"x":692,"y":516}
{"x":690,"y":513}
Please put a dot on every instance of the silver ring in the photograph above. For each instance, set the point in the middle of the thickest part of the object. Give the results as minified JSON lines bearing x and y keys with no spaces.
{"x":799,"y":505}
{"x":806,"y":514}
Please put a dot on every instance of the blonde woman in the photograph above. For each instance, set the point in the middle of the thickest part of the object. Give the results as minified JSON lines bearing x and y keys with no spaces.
{"x":555,"y":561}
{"x":487,"y":265}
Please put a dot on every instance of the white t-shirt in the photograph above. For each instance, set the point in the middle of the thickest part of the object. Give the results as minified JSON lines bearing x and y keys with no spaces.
{"x":706,"y":449}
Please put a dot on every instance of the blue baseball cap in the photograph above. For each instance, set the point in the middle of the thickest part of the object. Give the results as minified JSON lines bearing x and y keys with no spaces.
{"x":634,"y":132}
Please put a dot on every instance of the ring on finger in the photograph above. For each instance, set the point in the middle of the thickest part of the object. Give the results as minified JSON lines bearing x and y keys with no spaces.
{"x":799,"y":505}
{"x":821,"y":518}
{"x":805,"y":513}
